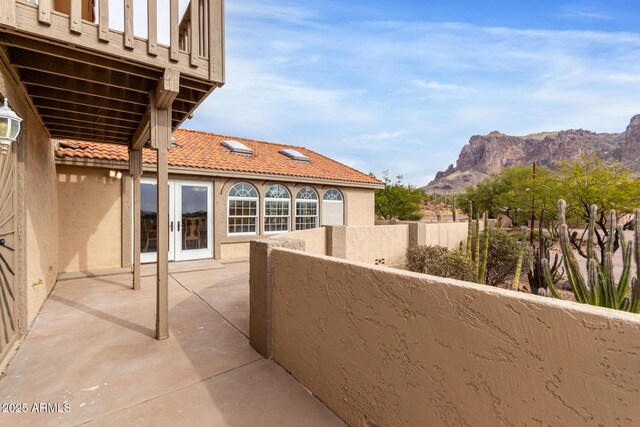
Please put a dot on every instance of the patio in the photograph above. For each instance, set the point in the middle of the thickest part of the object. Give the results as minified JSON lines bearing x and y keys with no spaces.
{"x":93,"y":346}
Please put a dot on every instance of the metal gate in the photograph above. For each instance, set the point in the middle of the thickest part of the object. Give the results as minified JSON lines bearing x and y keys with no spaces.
{"x":8,"y":225}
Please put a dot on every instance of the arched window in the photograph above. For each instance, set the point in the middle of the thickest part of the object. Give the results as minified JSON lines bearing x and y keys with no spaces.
{"x":242,"y":214}
{"x":306,"y":209}
{"x":277,"y":209}
{"x":332,"y":207}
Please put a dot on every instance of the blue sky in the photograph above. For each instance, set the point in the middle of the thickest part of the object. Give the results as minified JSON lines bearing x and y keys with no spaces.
{"x":402,"y":85}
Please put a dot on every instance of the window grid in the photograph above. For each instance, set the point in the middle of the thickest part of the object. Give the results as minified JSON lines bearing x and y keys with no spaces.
{"x":242,"y":212}
{"x":306,"y":209}
{"x":276,"y":209}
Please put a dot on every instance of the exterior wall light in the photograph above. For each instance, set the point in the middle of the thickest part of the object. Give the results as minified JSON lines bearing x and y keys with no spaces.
{"x":9,"y":127}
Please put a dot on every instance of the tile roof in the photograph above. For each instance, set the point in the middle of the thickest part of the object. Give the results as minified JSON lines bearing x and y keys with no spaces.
{"x":196,"y":149}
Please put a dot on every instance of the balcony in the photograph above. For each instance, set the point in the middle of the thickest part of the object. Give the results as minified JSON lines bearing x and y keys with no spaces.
{"x":89,"y":81}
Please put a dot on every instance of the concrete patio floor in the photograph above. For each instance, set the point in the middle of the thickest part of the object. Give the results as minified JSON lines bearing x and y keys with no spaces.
{"x":92,"y":346}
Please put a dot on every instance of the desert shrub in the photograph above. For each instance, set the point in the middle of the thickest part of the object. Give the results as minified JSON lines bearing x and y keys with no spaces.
{"x":440,"y":261}
{"x":504,"y":250}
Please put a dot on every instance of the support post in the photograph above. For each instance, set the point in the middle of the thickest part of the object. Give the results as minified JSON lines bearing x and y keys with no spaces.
{"x":160,"y":132}
{"x":135,"y":169}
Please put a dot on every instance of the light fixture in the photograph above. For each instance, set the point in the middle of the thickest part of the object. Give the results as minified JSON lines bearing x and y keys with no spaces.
{"x":9,"y":126}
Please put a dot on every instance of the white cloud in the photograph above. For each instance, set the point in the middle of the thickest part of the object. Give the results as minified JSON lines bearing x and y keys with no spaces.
{"x":406,"y":96}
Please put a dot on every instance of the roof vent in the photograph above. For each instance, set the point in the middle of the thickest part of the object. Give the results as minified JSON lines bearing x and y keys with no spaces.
{"x":237,"y":147}
{"x":295,"y":155}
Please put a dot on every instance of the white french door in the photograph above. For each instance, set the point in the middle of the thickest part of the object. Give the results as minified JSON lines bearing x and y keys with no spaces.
{"x":190,"y":220}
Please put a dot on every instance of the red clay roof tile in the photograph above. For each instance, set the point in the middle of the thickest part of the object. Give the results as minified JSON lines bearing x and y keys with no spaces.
{"x":196,"y":149}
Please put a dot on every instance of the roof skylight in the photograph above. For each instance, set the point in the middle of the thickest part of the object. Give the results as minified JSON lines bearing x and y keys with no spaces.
{"x":237,"y":147}
{"x":294,"y":154}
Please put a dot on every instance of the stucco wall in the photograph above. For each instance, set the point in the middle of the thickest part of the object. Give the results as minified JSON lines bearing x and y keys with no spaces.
{"x":360,"y":207}
{"x":37,"y":199}
{"x":396,"y":348}
{"x":234,"y":250}
{"x":90,"y":223}
{"x":383,"y":242}
{"x":447,"y":234}
{"x":315,"y":240}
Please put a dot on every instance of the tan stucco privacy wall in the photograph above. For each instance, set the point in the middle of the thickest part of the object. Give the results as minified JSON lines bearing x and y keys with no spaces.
{"x":382,"y":244}
{"x":37,"y":227}
{"x":447,"y":234}
{"x":315,"y":240}
{"x":387,"y":347}
{"x":89,"y":212}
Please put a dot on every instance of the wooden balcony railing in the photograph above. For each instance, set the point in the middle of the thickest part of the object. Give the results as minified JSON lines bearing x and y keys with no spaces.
{"x":196,"y":42}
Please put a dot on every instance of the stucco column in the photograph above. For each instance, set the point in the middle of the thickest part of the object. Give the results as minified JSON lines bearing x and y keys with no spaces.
{"x":260,"y":290}
{"x":337,"y":241}
{"x":417,"y":234}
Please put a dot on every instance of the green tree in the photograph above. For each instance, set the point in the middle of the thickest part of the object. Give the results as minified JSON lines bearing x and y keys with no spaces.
{"x":397,"y":200}
{"x":610,"y":186}
{"x":514,"y":192}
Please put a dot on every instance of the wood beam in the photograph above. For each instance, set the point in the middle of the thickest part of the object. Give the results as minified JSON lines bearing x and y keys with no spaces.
{"x":101,"y":123}
{"x":87,"y":137}
{"x":135,"y":169}
{"x":93,"y":111}
{"x":126,"y":221}
{"x":64,"y":52}
{"x":167,"y":89}
{"x":24,"y":59}
{"x":78,"y":128}
{"x":44,"y":80}
{"x":142,"y":134}
{"x":85,"y":118}
{"x":160,"y":138}
{"x":84,"y":99}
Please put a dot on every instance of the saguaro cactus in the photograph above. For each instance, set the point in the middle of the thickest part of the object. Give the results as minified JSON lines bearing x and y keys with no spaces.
{"x":453,"y":209}
{"x":516,"y":278}
{"x":482,"y":271}
{"x":601,"y":288}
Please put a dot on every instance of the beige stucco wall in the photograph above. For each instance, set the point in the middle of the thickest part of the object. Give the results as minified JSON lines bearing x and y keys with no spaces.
{"x":234,"y":250}
{"x":386,"y":347}
{"x":383,"y":242}
{"x":360,"y":207}
{"x":37,"y":200}
{"x":315,"y":240}
{"x":447,"y":234}
{"x":90,"y":222}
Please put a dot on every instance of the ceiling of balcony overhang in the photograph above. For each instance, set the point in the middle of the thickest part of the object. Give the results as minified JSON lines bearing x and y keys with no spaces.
{"x":89,"y":96}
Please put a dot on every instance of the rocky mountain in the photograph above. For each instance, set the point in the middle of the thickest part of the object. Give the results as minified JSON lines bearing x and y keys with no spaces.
{"x":488,"y":154}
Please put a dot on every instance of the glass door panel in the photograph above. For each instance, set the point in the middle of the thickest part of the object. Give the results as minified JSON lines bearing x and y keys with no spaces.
{"x":194,"y":219}
{"x":149,"y":220}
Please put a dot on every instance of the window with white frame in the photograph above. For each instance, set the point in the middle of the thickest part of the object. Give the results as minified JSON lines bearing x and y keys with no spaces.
{"x":242,"y":214}
{"x":277,"y":209}
{"x":306,"y":209}
{"x":332,"y":207}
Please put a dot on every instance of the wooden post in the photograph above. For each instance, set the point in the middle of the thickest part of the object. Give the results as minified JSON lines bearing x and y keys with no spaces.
{"x":216,"y":40}
{"x":152,"y":27}
{"x":195,"y":32}
{"x":173,"y":30}
{"x":75,"y":17}
{"x":128,"y":24}
{"x":103,"y":21}
{"x":160,"y":130}
{"x":8,"y":13}
{"x":44,"y":12}
{"x":135,"y":169}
